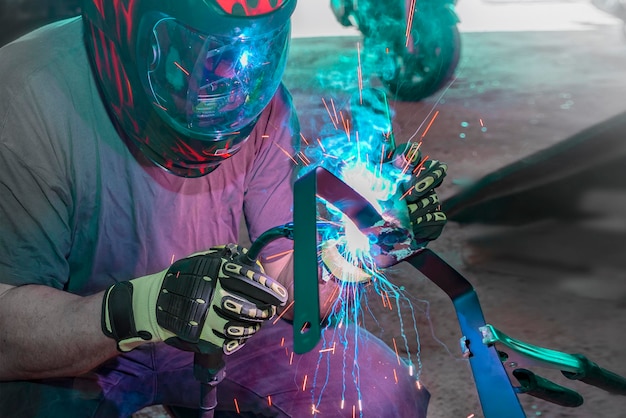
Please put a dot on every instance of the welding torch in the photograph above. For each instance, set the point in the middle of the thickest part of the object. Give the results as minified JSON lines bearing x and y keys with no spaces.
{"x":208,"y":368}
{"x":283,"y":231}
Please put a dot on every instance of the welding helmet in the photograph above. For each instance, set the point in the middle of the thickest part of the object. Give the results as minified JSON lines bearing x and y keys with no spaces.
{"x":186,"y":80}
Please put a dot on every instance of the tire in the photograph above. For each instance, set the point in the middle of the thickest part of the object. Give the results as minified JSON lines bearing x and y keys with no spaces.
{"x":436,"y":54}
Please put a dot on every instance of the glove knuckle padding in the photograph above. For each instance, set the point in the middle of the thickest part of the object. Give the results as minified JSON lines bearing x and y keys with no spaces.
{"x":239,"y":306}
{"x":228,"y":327}
{"x":257,"y":287}
{"x":232,"y":345}
{"x":429,"y":179}
{"x":237,"y":330}
{"x":185,"y":296}
{"x":427,"y":220}
{"x":424,"y":205}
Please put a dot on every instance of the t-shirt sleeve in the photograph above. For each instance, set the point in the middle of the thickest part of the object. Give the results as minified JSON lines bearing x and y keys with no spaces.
{"x":269,"y":189}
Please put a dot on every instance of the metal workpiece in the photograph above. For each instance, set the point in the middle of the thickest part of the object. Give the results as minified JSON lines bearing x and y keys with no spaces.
{"x":495,"y":390}
{"x":389,"y":243}
{"x":496,"y":393}
{"x":496,"y":359}
{"x":497,"y":396}
{"x":323,"y":184}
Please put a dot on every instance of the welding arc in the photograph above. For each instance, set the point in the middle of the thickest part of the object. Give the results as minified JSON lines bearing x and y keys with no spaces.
{"x":339,"y":267}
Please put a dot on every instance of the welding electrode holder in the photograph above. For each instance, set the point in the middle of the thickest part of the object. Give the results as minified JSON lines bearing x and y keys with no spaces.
{"x":250,"y":257}
{"x":208,"y":369}
{"x":519,"y":356}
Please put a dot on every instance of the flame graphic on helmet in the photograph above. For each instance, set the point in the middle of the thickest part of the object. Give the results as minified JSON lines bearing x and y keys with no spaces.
{"x":249,"y":7}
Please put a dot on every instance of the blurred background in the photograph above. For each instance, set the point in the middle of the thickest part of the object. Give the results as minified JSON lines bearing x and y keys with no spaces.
{"x":314,"y":18}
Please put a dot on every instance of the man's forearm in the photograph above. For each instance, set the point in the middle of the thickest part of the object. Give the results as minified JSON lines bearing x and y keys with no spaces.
{"x":46,"y":332}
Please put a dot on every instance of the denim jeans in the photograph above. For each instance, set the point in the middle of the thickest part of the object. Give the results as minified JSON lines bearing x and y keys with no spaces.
{"x":263,"y":379}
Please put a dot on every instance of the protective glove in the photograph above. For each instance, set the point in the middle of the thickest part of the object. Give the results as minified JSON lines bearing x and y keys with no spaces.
{"x":427,"y":219}
{"x":201,"y":302}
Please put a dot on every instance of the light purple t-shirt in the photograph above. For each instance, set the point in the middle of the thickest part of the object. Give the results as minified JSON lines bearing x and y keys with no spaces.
{"x":79,"y":212}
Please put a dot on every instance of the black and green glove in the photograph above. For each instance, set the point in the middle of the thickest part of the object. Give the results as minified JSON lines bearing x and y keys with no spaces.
{"x":427,"y":219}
{"x":206,"y":300}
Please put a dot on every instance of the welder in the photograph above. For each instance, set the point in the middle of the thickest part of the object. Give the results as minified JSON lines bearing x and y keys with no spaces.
{"x":133,"y":139}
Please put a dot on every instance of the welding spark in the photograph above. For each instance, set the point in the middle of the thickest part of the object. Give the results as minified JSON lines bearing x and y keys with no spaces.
{"x":409,"y":23}
{"x":278,"y":255}
{"x":181,"y":68}
{"x":359,"y":72}
{"x":362,"y":162}
{"x":430,"y":124}
{"x":395,"y":347}
{"x":329,"y":350}
{"x":304,"y":158}
{"x":286,"y":153}
{"x":321,"y":145}
{"x":283,"y":313}
{"x":350,"y":308}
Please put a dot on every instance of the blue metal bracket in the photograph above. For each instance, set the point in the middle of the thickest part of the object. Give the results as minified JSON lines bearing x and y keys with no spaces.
{"x":495,"y":391}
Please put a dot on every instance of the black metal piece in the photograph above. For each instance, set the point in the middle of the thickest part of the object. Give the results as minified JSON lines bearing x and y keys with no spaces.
{"x":594,"y":375}
{"x":542,"y":388}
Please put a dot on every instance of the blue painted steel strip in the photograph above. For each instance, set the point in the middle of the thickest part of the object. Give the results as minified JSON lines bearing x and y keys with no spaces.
{"x":495,"y":391}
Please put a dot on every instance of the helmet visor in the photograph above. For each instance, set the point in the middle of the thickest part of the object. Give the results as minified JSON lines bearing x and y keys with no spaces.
{"x":210,"y":87}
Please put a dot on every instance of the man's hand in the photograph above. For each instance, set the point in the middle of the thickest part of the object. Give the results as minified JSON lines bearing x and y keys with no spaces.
{"x":206,"y":300}
{"x":427,"y":219}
